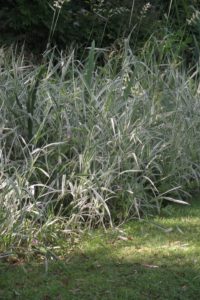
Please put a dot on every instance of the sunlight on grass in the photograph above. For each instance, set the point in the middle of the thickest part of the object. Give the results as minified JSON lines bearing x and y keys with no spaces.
{"x":136,"y":261}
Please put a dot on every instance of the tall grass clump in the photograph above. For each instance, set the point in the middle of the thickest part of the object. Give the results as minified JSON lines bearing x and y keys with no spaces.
{"x":88,"y":145}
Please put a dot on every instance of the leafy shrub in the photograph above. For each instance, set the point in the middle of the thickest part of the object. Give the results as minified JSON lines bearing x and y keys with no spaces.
{"x":77,"y":22}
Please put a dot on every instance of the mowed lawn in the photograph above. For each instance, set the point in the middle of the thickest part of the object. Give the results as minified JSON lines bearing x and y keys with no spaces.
{"x":157,"y":258}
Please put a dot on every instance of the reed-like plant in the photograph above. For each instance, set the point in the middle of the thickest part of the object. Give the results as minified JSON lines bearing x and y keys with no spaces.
{"x":83,"y":146}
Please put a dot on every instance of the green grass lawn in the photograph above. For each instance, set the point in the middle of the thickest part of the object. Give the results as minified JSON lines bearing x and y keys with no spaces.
{"x":156,"y":259}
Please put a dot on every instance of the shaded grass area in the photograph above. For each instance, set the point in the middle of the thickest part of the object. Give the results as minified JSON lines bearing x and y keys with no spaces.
{"x":157,"y":258}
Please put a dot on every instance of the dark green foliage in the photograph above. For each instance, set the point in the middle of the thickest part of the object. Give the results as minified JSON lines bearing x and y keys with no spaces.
{"x":80,"y":22}
{"x":77,"y":22}
{"x":25,"y":20}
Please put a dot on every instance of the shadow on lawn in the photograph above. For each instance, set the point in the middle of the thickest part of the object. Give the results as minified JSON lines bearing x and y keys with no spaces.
{"x":97,"y":275}
{"x":152,"y":264}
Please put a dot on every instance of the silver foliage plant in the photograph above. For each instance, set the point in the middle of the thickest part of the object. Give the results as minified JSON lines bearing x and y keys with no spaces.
{"x":88,"y":145}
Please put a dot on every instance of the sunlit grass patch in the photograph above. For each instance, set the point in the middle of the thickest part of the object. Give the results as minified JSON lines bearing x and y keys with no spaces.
{"x":139,"y":260}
